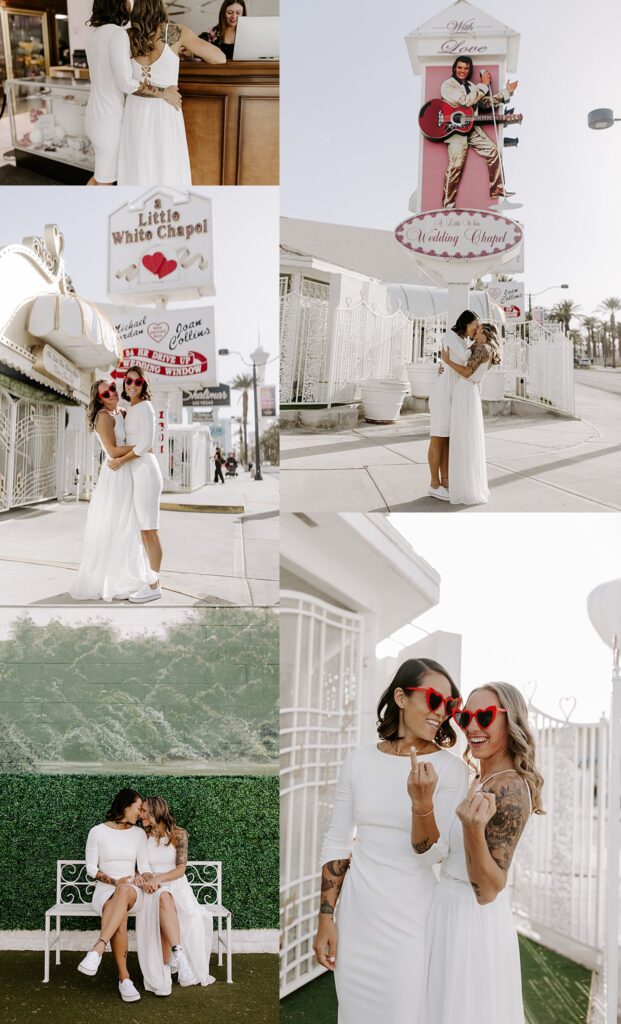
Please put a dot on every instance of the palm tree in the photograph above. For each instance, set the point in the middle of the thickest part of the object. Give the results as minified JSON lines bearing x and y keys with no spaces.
{"x":612,"y":306}
{"x":243,"y":382}
{"x":590,"y":324}
{"x":564,"y":312}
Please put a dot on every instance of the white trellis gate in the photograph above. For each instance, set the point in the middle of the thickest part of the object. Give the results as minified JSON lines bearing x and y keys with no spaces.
{"x":321,"y":650}
{"x":30,"y":438}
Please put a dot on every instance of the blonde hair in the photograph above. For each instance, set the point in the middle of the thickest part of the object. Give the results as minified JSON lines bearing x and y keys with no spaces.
{"x":521,"y":740}
{"x":159,"y":812}
{"x":491,"y":337}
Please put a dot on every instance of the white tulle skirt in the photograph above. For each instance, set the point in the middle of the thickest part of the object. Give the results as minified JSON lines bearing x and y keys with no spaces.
{"x":196,"y":927}
{"x":473,"y":960}
{"x":467,"y":466}
{"x":114,"y":560}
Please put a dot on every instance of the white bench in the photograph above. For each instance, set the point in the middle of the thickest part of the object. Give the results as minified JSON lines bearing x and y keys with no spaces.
{"x":74,"y":891}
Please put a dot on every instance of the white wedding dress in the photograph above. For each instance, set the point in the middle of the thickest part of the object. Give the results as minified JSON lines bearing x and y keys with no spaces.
{"x":473,"y":957}
{"x":381,"y":914}
{"x":114,"y":561}
{"x":467,"y":464}
{"x":154,"y":147}
{"x":195,"y":922}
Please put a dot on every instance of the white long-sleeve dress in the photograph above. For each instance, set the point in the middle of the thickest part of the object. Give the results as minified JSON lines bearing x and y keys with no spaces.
{"x":154,"y":147}
{"x":443,"y":387}
{"x":116,"y":852}
{"x":382,"y":910}
{"x":110,"y":68}
{"x":473,"y":957}
{"x":140,"y":433}
{"x":195,"y":924}
{"x":467,"y":463}
{"x":114,"y":561}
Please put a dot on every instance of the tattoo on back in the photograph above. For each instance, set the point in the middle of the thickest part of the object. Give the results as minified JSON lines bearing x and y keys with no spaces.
{"x":503,"y":831}
{"x":477,"y":888}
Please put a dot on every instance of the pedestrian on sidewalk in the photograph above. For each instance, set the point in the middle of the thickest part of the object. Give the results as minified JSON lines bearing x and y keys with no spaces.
{"x":219,"y":461}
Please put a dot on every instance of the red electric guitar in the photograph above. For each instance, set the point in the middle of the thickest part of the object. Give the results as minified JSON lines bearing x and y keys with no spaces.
{"x":439,"y":120}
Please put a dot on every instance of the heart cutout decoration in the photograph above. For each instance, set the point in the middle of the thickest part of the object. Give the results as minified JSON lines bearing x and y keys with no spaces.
{"x":567,"y":702}
{"x":158,"y":265}
{"x":157,"y":332}
{"x":529,"y":690}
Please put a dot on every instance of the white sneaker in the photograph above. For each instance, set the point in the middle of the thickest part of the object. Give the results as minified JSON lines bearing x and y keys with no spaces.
{"x":90,"y":964}
{"x":186,"y":977}
{"x":145,"y":594}
{"x":435,"y":492}
{"x":129,"y":992}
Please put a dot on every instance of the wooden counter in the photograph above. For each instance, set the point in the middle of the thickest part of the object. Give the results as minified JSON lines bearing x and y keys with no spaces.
{"x":232,"y":121}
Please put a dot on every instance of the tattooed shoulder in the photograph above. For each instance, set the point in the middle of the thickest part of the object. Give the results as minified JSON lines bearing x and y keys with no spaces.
{"x":174,"y":33}
{"x":181,"y":846}
{"x":503,"y":831}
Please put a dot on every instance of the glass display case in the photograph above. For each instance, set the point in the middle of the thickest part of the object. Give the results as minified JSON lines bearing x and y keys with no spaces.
{"x":26,"y":44}
{"x":47,"y":123}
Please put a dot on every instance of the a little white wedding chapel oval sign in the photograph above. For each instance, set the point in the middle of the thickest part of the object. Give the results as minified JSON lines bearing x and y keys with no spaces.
{"x":459,"y":234}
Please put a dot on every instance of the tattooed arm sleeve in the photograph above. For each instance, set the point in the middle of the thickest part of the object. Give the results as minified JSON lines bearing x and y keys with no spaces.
{"x":339,"y":839}
{"x":182,"y":848}
{"x":489,"y":854}
{"x":332,"y":878}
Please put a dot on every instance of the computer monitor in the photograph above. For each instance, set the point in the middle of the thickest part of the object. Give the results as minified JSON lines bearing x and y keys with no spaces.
{"x":257,"y":39}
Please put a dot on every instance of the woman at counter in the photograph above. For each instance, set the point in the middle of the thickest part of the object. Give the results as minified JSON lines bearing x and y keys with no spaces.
{"x":223,"y":34}
{"x":154,"y":147}
{"x":112,"y":81}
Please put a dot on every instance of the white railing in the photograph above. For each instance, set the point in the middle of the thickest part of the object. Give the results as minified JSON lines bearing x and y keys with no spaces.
{"x":29,"y":441}
{"x":321,"y":669}
{"x":188,"y":457}
{"x":326,"y":353}
{"x":558,"y":885}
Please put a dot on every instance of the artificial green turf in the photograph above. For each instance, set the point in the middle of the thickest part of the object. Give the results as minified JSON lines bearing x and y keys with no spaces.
{"x":556,"y":991}
{"x":73,"y":998}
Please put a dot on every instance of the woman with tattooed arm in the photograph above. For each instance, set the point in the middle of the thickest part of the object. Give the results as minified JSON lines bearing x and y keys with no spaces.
{"x":379,"y":887}
{"x":470,"y":924}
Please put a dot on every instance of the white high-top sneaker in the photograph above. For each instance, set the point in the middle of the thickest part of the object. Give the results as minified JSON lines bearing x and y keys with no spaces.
{"x":185,"y":973}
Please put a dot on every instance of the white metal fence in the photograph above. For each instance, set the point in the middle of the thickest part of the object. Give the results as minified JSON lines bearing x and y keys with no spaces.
{"x":326,"y":352}
{"x":29,"y":441}
{"x":188,"y":457}
{"x":321,"y":668}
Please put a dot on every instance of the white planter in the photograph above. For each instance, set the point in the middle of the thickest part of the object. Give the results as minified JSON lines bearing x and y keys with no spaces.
{"x":382,"y":399}
{"x":422,"y":377}
{"x":493,"y":386}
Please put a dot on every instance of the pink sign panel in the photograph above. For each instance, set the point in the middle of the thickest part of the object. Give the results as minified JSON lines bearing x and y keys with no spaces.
{"x":473,"y":191}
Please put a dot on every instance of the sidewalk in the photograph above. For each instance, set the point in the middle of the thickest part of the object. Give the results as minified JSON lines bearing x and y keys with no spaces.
{"x":210,"y":558}
{"x":534,"y":465}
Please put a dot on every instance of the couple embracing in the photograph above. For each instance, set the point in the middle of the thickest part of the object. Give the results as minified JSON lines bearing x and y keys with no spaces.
{"x":415,"y":919}
{"x":133,"y":117}
{"x":122,"y":552}
{"x":142,"y":870}
{"x":457,"y":436}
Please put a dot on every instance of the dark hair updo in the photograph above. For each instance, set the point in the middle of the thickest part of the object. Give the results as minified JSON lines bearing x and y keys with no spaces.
{"x":463,"y":320}
{"x":123,"y":799}
{"x":412,"y":673}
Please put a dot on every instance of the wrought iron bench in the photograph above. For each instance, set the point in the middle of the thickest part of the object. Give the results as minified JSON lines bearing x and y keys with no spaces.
{"x":74,"y":890}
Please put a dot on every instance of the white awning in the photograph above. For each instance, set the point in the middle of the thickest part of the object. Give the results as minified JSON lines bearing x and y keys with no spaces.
{"x":75,"y":328}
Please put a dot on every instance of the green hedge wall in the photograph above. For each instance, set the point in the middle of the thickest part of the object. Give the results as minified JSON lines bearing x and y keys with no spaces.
{"x":46,"y":818}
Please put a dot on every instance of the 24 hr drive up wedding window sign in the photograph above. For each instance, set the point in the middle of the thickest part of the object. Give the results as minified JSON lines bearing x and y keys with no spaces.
{"x":170,"y":345}
{"x":160,"y":246}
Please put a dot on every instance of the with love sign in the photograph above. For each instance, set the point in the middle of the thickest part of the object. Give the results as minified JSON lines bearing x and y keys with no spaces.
{"x":160,"y":246}
{"x":169,"y":345}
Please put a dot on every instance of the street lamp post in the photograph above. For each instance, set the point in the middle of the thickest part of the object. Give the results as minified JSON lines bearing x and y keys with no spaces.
{"x":259,"y":359}
{"x":604,"y":607}
{"x":549,"y":289}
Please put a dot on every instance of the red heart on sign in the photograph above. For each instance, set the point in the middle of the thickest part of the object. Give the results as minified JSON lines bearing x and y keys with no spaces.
{"x":167,"y":268}
{"x":154,"y":262}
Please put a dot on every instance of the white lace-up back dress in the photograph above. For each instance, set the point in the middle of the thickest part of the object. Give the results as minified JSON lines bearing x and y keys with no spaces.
{"x":473,"y":957}
{"x":154,"y":147}
{"x":114,"y":562}
{"x":381,"y":914}
{"x":195,"y":924}
{"x":467,"y":464}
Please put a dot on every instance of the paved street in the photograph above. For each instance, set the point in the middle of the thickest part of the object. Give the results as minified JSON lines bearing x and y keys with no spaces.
{"x":544,"y":464}
{"x":210,"y":557}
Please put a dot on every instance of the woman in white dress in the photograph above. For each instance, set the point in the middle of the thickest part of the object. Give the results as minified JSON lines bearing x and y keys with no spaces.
{"x":110,"y":70}
{"x":146,"y":474}
{"x":114,"y":563}
{"x":467,"y":465}
{"x":173,"y":930}
{"x":473,"y":960}
{"x":154,"y":148}
{"x":383,"y":888}
{"x":114,"y":850}
{"x":458,"y":340}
